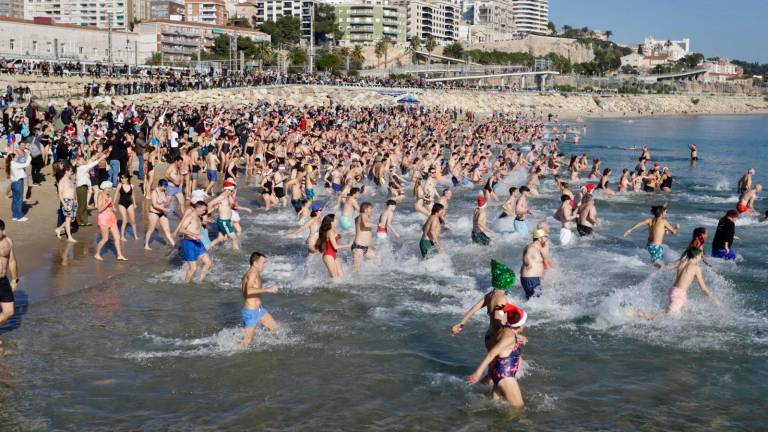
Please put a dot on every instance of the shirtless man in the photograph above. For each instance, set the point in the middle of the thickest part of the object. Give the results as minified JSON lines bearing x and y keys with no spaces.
{"x":7,"y":267}
{"x":68,"y":203}
{"x":296,"y":190}
{"x":535,"y":261}
{"x":587,"y":216}
{"x":211,"y":170}
{"x":361,"y":246}
{"x":192,"y":247}
{"x":430,"y":237}
{"x":745,"y":182}
{"x":385,"y":221}
{"x":747,"y":199}
{"x":253,"y":312}
{"x":480,"y":228}
{"x":224,"y":204}
{"x":508,"y":208}
{"x":175,"y":180}
{"x":522,"y":210}
{"x":349,"y":207}
{"x":658,"y":226}
{"x":688,"y":271}
{"x":565,"y":215}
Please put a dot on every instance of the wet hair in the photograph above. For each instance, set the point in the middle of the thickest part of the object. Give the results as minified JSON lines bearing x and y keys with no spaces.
{"x":731,"y":214}
{"x":365,"y":206}
{"x":436,"y":208}
{"x":512,"y":190}
{"x":564,"y":198}
{"x":391,"y":202}
{"x":524,"y":189}
{"x":354,"y":191}
{"x":657,"y":211}
{"x":255,"y":257}
{"x":2,"y":225}
{"x":325,"y":226}
{"x":692,"y":252}
{"x":606,"y":171}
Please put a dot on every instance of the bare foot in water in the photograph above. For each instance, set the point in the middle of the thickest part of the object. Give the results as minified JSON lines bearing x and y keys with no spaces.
{"x":98,"y":257}
{"x":122,"y":258}
{"x":71,"y":240}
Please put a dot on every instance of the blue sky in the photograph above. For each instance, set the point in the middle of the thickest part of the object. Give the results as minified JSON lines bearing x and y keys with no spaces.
{"x":735,"y":29}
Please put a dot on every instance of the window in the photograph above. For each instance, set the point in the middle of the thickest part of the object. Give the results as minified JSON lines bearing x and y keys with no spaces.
{"x":81,"y":51}
{"x":11,"y":44}
{"x":34,"y":47}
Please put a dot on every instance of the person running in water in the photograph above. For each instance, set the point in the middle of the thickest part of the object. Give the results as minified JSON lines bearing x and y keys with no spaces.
{"x":535,"y":262}
{"x":192,"y":248}
{"x":688,"y":271}
{"x":504,"y":359}
{"x":722,"y":244}
{"x":658,"y":226}
{"x":565,"y":215}
{"x":747,"y":199}
{"x":745,"y":182}
{"x":522,"y":210}
{"x":361,"y":246}
{"x":385,"y":221}
{"x":253,"y":313}
{"x":480,"y":228}
{"x":430,"y":237}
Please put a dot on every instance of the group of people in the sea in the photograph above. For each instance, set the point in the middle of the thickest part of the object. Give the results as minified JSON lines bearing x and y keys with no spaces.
{"x":191,"y":160}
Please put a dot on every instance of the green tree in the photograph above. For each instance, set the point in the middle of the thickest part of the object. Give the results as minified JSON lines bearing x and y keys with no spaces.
{"x":345,"y":53}
{"x":560,"y":63}
{"x":454,"y":50}
{"x":608,"y":33}
{"x":430,"y":44}
{"x":382,"y":48}
{"x":240,"y":22}
{"x":297,"y":56}
{"x":378,"y":51}
{"x":691,"y":61}
{"x":415,"y":42}
{"x":287,"y":29}
{"x":325,"y":27}
{"x":327,"y":60}
{"x":552,"y":27}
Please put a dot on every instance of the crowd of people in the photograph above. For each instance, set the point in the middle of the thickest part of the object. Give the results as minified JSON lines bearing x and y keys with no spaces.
{"x":182,"y":165}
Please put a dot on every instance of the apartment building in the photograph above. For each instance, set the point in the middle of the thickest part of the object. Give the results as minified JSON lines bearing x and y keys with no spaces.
{"x":212,"y":12}
{"x":166,"y":10}
{"x":531,"y":16}
{"x":494,"y":21}
{"x":271,"y":10}
{"x":12,"y":8}
{"x":87,"y":13}
{"x":436,"y":19}
{"x":368,"y":23}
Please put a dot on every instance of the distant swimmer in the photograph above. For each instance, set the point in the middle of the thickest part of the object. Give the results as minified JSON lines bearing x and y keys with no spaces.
{"x":502,"y":280}
{"x":658,"y":226}
{"x":722,"y":244}
{"x":253,"y":312}
{"x":747,"y":199}
{"x":694,"y":152}
{"x":8,"y":267}
{"x":384,"y":227}
{"x":745,"y":182}
{"x":535,"y":262}
{"x":688,"y":271}
{"x":504,"y":359}
{"x":480,"y":228}
{"x":430,"y":236}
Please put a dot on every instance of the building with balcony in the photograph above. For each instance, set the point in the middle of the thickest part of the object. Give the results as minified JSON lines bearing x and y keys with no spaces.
{"x":367,"y":23}
{"x":87,"y":13}
{"x":493,"y":21}
{"x":722,"y":70}
{"x":12,"y":8}
{"x":531,"y":16}
{"x":673,"y":49}
{"x":271,"y":10}
{"x":436,"y":19}
{"x":179,"y":42}
{"x":206,"y":11}
{"x":47,"y":40}
{"x":166,"y":10}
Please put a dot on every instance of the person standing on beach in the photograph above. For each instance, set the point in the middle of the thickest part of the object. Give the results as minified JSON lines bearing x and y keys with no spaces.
{"x":658,"y":226}
{"x":175,"y":179}
{"x":68,"y":201}
{"x":253,"y":313}
{"x":8,"y":267}
{"x":18,"y":163}
{"x":83,"y":183}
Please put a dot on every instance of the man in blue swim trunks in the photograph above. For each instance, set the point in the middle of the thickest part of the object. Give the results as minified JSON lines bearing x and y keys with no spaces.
{"x":535,"y":261}
{"x":253,"y":312}
{"x":192,"y":247}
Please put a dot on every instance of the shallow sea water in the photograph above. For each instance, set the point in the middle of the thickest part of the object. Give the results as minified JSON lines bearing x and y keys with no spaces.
{"x":373,"y":351}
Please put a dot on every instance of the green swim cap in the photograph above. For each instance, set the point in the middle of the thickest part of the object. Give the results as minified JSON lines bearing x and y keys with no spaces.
{"x":502,"y":277}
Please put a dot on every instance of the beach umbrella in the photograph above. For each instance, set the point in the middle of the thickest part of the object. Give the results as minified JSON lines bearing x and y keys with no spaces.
{"x":408,"y":99}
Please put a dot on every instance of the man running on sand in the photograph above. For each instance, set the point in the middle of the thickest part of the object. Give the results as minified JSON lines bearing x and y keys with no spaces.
{"x":253,"y":312}
{"x":535,"y":261}
{"x":658,"y":225}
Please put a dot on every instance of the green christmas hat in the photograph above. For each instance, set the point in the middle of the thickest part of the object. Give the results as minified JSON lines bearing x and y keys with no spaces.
{"x":502,"y":277}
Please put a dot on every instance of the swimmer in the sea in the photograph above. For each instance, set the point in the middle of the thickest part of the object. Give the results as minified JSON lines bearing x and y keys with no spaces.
{"x":253,"y":313}
{"x":658,"y":226}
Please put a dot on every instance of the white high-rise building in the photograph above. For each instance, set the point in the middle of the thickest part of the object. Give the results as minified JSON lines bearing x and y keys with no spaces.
{"x":12,"y":8}
{"x":79,"y":12}
{"x":430,"y":18}
{"x":531,"y":16}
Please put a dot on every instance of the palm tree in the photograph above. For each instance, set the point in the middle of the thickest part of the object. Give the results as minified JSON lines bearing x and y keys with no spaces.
{"x":415,"y":45}
{"x":608,"y":34}
{"x":378,"y":50}
{"x":387,"y":42}
{"x":345,"y":52}
{"x":357,"y":54}
{"x":430,"y":46}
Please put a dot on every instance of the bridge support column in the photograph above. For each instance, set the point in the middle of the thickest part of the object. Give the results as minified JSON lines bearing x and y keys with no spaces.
{"x":522,"y":81}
